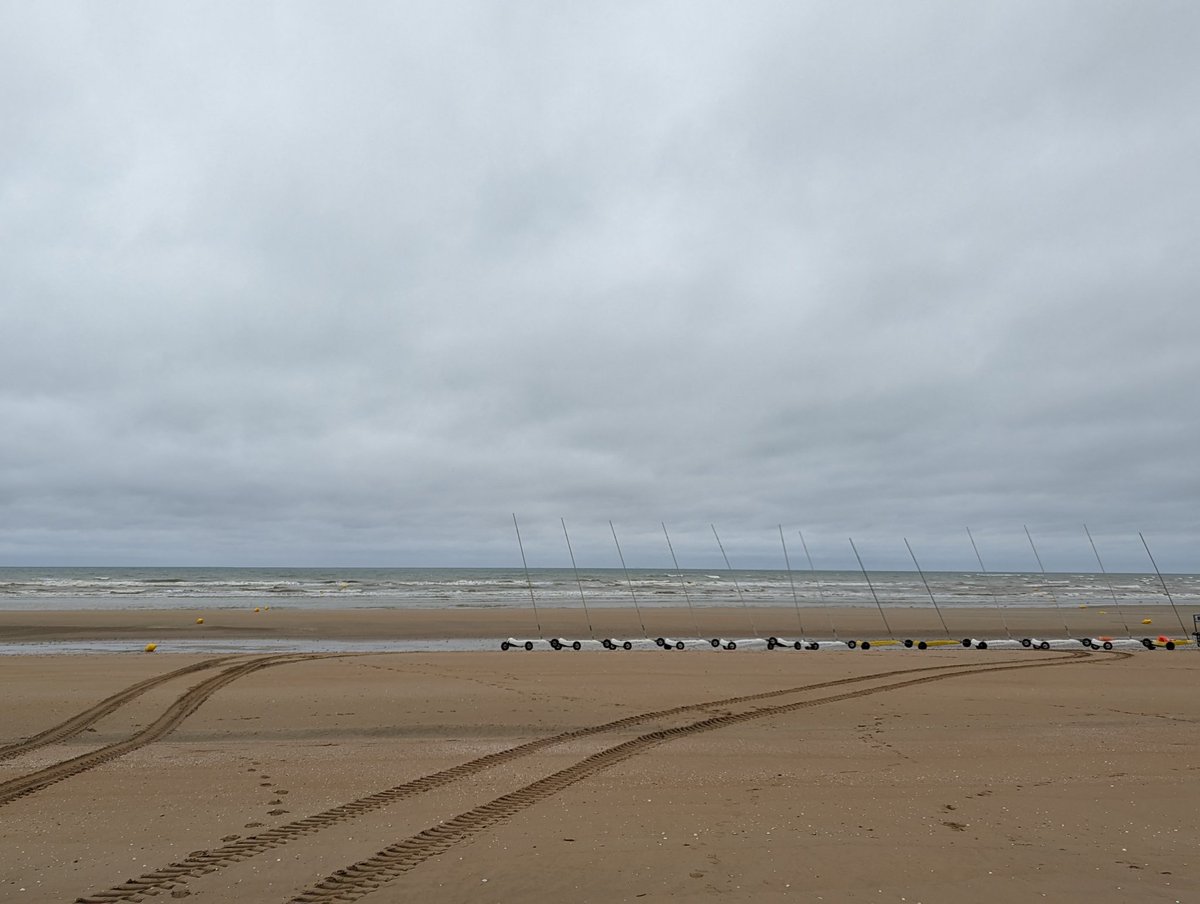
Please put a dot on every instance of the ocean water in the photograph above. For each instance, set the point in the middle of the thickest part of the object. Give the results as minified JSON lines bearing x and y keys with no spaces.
{"x":426,"y":588}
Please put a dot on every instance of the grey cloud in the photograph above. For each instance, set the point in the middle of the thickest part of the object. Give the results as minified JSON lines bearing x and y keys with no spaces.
{"x":314,"y":286}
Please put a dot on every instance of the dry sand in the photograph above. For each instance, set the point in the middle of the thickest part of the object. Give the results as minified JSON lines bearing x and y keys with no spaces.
{"x":1078,"y":781}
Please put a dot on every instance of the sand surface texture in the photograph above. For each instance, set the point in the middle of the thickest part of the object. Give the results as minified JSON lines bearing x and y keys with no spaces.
{"x":164,"y":625}
{"x":951,"y":775}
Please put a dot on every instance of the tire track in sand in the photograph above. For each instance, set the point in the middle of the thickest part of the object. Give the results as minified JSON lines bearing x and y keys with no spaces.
{"x":368,"y":875}
{"x":183,"y":706}
{"x":84,"y":720}
{"x":208,"y":861}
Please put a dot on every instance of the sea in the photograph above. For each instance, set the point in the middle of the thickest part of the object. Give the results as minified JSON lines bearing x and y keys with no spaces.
{"x":24,"y":588}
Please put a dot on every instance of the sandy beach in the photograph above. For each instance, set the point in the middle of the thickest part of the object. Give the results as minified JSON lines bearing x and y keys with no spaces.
{"x":942,"y":776}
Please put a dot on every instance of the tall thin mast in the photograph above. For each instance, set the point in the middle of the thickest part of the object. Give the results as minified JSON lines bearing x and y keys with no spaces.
{"x":628,"y":579}
{"x":871,"y":587}
{"x":820,"y":591}
{"x":578,"y":582}
{"x":791,"y":580}
{"x":537,"y":619}
{"x":736,"y":586}
{"x":1182,"y":627}
{"x":1111,"y":590}
{"x":995,"y":598}
{"x":682,"y":583}
{"x":1053,"y":595}
{"x":927,"y":590}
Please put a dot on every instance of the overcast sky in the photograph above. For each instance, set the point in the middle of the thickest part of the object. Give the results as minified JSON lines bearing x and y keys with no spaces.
{"x":341,"y":284}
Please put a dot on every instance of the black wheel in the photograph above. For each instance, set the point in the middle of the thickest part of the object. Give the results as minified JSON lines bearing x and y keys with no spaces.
{"x":1108,"y":644}
{"x":1147,"y":643}
{"x":679,"y":644}
{"x":922,"y":645}
{"x":1026,"y":642}
{"x":627,"y":646}
{"x":660,"y":641}
{"x":982,"y":645}
{"x":1170,"y":645}
{"x":773,"y":642}
{"x":1086,"y":641}
{"x":529,"y":645}
{"x":715,"y":642}
{"x":577,"y":646}
{"x":966,"y":641}
{"x":797,"y":645}
{"x":731,"y":645}
{"x":504,"y":645}
{"x":908,"y":643}
{"x":814,"y":646}
{"x":555,"y":644}
{"x":866,"y":644}
{"x":1044,"y":645}
{"x":609,"y":645}
{"x":852,"y":644}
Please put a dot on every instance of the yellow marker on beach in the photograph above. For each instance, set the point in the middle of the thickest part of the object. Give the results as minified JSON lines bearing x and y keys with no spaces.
{"x":151,"y":647}
{"x":1147,"y":621}
{"x":256,"y":608}
{"x":199,"y":621}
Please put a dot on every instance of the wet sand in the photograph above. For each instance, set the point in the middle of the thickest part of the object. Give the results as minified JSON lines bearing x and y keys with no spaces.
{"x":163,"y":625}
{"x":942,"y":776}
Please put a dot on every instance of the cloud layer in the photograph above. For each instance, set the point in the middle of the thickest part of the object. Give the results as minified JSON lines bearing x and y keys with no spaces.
{"x":305,"y":284}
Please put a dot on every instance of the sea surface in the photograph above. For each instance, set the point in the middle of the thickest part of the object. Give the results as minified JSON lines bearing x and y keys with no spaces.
{"x":435,"y":588}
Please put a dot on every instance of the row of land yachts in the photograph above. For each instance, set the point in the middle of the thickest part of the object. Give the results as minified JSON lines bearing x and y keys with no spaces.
{"x":776,"y":643}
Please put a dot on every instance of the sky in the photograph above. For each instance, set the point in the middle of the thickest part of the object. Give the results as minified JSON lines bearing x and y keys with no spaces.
{"x":326,"y":284}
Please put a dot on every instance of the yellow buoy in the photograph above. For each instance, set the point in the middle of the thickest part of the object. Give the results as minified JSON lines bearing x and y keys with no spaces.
{"x":151,"y":647}
{"x":199,"y":621}
{"x":1083,"y":605}
{"x":256,"y":609}
{"x":1146,"y":621}
{"x":268,"y":608}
